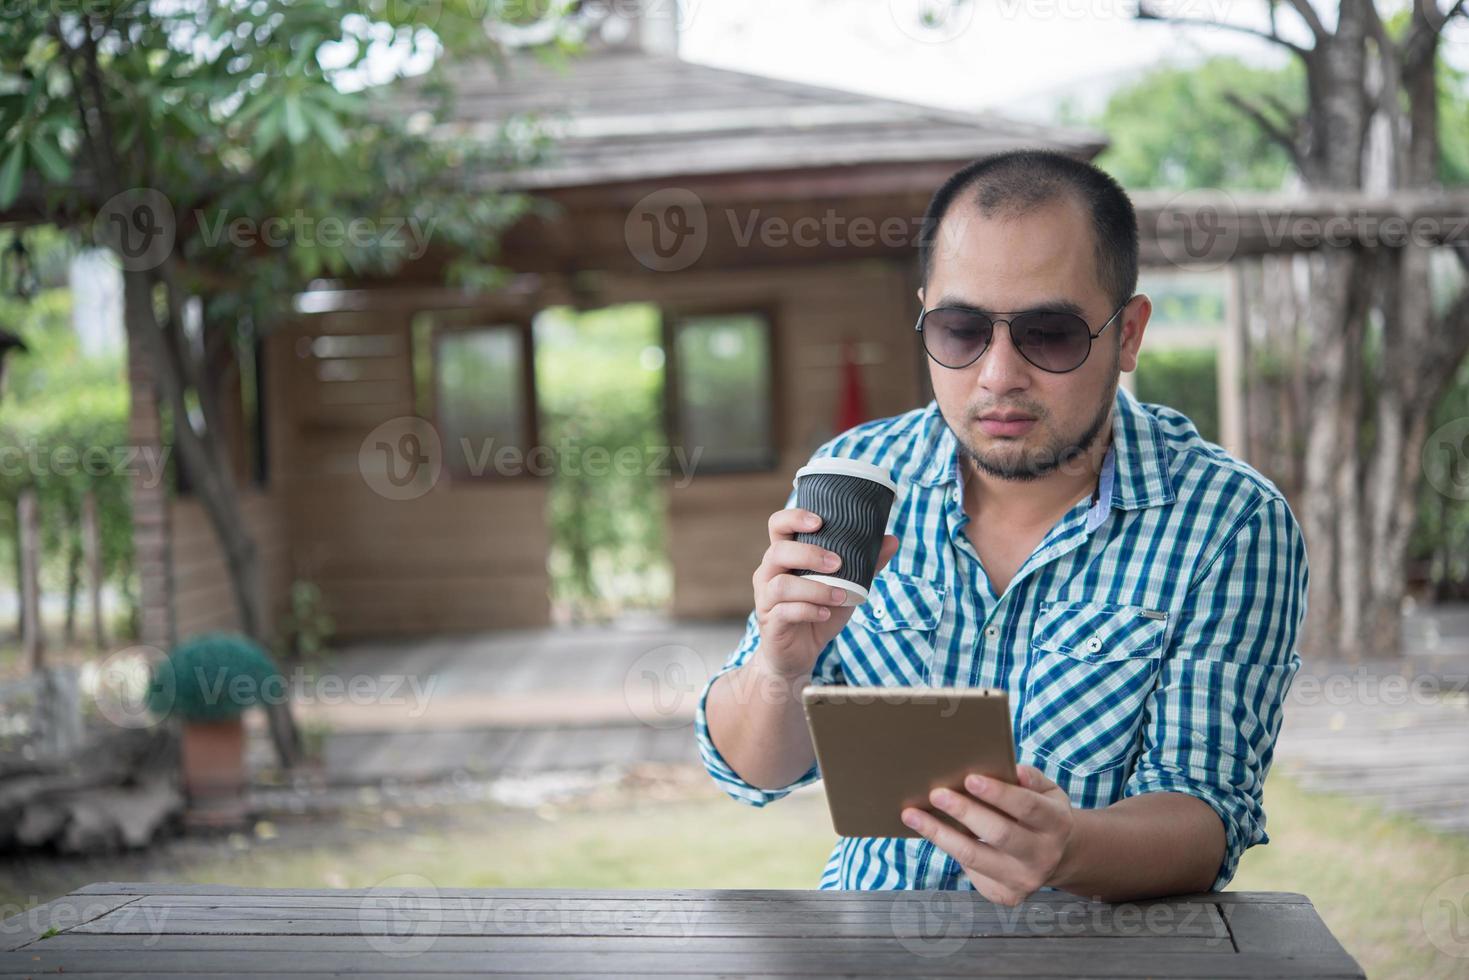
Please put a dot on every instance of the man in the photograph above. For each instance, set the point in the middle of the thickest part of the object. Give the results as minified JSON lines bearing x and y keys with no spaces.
{"x":1135,"y":589}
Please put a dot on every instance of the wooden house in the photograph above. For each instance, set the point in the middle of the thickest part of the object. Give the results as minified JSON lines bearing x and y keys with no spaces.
{"x":783,"y":214}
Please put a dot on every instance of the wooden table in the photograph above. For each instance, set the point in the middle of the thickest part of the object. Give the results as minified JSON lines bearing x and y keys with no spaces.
{"x":397,"y":928}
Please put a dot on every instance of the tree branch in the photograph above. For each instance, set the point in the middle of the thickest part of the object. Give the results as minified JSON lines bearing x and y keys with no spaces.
{"x":1272,"y":130}
{"x":1144,"y":13}
{"x":1307,"y":13}
{"x":1423,"y":35}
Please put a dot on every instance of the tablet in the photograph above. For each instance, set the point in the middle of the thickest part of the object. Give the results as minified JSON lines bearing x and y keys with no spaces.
{"x":881,"y":749}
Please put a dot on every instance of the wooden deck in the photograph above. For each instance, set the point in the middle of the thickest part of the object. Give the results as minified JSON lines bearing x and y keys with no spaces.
{"x":394,"y":930}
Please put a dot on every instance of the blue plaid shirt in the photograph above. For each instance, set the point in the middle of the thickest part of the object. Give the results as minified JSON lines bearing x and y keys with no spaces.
{"x":1147,"y":644}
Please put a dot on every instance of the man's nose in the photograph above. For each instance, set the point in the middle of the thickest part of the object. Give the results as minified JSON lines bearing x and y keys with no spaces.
{"x":1001,"y":368}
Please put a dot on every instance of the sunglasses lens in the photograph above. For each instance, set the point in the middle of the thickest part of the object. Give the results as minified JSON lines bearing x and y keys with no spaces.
{"x":1052,"y":341}
{"x":955,"y":338}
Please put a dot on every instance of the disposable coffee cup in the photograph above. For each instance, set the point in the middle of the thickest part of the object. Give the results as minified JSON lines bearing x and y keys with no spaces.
{"x":853,"y":499}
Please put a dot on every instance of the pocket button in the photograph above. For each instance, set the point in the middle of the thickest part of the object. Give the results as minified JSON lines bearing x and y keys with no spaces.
{"x":877,"y":612}
{"x":1094,"y":644}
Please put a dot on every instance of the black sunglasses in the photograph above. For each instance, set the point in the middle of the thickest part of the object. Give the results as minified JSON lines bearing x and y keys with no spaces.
{"x":1053,"y":341}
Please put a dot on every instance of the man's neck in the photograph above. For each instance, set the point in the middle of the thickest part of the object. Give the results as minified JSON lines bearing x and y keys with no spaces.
{"x":1029,"y":504}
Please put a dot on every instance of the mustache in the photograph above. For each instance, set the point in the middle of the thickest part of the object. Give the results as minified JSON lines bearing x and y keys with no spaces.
{"x":1034,"y":411}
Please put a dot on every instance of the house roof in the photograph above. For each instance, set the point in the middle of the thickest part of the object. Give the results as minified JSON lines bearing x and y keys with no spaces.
{"x":626,"y":114}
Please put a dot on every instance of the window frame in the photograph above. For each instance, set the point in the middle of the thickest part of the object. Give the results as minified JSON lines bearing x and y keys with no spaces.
{"x":445,"y":323}
{"x":677,"y":318}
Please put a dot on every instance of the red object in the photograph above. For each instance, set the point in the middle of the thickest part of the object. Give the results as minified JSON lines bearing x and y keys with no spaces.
{"x":852,"y":400}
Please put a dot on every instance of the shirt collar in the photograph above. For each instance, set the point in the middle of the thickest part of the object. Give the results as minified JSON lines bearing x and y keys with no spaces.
{"x":1134,"y":473}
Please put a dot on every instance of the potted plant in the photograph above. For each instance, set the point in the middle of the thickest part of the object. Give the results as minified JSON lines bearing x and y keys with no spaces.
{"x":207,"y":683}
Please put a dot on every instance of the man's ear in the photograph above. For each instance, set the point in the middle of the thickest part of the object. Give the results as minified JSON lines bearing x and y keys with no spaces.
{"x":920,"y":295}
{"x":1130,"y":337}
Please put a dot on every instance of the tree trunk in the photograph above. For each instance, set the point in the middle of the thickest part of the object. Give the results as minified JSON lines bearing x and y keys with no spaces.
{"x":73,"y":574}
{"x":92,"y":550}
{"x":1327,"y":379}
{"x":32,"y":633}
{"x":212,"y":483}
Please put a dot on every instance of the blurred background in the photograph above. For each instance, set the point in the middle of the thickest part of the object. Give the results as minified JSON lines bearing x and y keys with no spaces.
{"x":432,"y":366}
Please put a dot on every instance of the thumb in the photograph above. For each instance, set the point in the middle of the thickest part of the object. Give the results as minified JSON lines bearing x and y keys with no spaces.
{"x":889,"y":548}
{"x":1033,"y":778}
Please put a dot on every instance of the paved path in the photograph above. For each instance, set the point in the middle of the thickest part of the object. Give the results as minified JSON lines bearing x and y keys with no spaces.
{"x":526,"y":702}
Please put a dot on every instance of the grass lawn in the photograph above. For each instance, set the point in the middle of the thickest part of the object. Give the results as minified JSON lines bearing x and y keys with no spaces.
{"x":1368,"y":873}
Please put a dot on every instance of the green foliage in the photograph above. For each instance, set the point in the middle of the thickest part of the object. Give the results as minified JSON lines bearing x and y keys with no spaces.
{"x":1441,"y":535}
{"x":307,"y":627}
{"x":257,"y":121}
{"x":1175,"y":129}
{"x":63,"y":433}
{"x":1185,"y":380}
{"x":212,"y":677}
{"x":599,"y":379}
{"x":1453,"y":125}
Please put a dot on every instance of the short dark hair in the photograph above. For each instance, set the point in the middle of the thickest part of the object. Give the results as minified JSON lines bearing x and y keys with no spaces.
{"x":1018,"y":181}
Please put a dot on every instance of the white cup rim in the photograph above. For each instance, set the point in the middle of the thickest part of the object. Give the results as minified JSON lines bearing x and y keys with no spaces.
{"x":847,"y":467}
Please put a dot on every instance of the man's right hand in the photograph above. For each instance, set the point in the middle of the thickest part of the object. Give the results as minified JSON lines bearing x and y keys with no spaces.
{"x":799,"y":617}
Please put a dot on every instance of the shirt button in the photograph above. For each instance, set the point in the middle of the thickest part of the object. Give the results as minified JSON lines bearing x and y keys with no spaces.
{"x":877,"y":612}
{"x":992,"y":632}
{"x":956,"y":496}
{"x":1094,"y":644}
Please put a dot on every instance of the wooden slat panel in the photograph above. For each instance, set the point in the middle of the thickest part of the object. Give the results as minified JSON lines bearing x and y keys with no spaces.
{"x":970,"y":960}
{"x":221,"y":930}
{"x":63,"y":913}
{"x":732,"y":946}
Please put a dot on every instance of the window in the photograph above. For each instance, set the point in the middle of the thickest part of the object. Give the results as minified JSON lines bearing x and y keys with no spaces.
{"x":721,"y":391}
{"x":482,"y":396}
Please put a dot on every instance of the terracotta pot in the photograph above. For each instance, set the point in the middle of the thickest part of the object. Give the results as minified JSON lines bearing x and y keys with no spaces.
{"x":213,"y":756}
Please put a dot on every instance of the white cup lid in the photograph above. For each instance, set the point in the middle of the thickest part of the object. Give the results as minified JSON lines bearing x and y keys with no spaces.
{"x":847,"y":467}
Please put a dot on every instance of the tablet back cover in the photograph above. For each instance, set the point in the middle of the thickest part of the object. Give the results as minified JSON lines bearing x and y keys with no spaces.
{"x":881,"y":749}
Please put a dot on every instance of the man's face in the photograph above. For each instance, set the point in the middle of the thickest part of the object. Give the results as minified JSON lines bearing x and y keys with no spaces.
{"x":1010,"y":265}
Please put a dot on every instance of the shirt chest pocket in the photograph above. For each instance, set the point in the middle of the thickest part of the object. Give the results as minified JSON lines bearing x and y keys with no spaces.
{"x":890,"y":637}
{"x":1091,"y":667}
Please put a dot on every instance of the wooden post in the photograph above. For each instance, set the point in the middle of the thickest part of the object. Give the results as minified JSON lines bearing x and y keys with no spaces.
{"x":32,"y":639}
{"x":92,"y":553}
{"x":1231,"y":369}
{"x":150,"y":504}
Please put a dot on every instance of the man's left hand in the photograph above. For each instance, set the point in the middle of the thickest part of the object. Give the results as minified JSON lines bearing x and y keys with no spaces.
{"x":1023,"y":832}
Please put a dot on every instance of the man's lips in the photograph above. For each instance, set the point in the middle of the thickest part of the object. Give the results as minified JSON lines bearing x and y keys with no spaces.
{"x":1007,"y":424}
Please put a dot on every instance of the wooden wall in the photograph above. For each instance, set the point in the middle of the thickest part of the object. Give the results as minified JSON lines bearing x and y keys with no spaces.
{"x":202,"y":597}
{"x":466,"y":555}
{"x":717,"y":523}
{"x":470,"y":554}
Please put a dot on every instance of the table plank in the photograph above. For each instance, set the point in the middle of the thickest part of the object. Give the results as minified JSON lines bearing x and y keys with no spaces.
{"x":964,"y":961}
{"x":63,"y":913}
{"x":731,"y":945}
{"x":638,"y":894}
{"x":214,"y":930}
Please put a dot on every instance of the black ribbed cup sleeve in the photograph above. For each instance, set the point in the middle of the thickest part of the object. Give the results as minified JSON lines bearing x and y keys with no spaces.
{"x":854,"y":515}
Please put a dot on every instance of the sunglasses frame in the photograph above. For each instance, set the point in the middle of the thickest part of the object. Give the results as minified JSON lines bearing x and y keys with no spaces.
{"x":998,"y":318}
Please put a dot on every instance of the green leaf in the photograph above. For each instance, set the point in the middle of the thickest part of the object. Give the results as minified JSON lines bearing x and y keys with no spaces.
{"x":49,"y":159}
{"x":296,"y":128}
{"x":326,"y":127}
{"x":269,"y":129}
{"x":10,"y":174}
